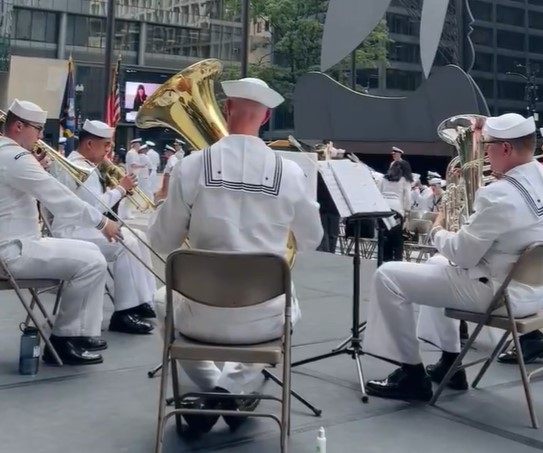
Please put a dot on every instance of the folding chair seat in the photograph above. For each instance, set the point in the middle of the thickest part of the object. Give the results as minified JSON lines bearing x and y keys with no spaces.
{"x":8,"y":282}
{"x":232,"y":280}
{"x":527,"y":270}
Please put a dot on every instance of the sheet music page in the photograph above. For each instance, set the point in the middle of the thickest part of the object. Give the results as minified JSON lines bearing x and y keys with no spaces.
{"x":358,"y":187}
{"x":335,"y":191}
{"x":308,"y":163}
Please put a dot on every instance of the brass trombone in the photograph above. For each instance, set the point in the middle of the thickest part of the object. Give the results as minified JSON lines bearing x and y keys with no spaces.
{"x":80,"y":175}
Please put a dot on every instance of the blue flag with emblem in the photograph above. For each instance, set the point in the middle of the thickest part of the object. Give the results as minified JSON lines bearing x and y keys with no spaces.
{"x":67,"y":111}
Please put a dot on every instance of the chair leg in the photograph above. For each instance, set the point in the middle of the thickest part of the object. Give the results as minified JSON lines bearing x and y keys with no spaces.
{"x":295,"y":394}
{"x":36,"y":299}
{"x":175,"y":390}
{"x":456,"y":364}
{"x":490,"y":359}
{"x":285,"y":408}
{"x":57,"y":300}
{"x":524,"y":375}
{"x":162,"y":401}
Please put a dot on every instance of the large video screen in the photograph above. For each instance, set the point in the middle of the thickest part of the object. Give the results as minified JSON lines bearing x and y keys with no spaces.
{"x":135,"y":94}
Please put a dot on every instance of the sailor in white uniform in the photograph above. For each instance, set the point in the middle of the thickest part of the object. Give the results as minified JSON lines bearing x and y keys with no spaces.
{"x":224,"y":206}
{"x":178,"y":144}
{"x":134,"y":284}
{"x":144,"y":173}
{"x":132,"y":166}
{"x":154,"y":159}
{"x":79,"y":264}
{"x":508,"y":217}
{"x":171,"y":161}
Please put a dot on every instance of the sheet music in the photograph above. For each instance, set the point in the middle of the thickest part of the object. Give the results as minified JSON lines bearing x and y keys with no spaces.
{"x":358,"y":187}
{"x":308,"y":163}
{"x":334,"y":189}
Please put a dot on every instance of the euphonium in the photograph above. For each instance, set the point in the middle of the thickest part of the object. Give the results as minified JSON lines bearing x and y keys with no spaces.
{"x":465,"y":171}
{"x":186,"y":104}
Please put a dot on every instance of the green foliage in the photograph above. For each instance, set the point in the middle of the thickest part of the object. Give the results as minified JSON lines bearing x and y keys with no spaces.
{"x":297,"y":27}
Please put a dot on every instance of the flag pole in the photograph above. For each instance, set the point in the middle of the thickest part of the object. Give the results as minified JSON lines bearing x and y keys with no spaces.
{"x":108,"y":61}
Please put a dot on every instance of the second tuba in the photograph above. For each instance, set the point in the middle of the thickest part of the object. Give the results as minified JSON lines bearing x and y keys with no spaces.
{"x":186,"y":103}
{"x":465,"y":171}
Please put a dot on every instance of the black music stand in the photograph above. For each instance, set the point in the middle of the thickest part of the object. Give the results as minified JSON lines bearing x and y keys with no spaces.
{"x":352,"y":346}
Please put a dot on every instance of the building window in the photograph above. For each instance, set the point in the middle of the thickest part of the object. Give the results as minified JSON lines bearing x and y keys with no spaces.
{"x":402,"y":51}
{"x":37,"y":26}
{"x":536,"y":44}
{"x":83,"y":31}
{"x":481,"y":11}
{"x":510,"y":16}
{"x":482,"y":36}
{"x":511,"y":90}
{"x":402,"y":25}
{"x":510,"y":40}
{"x":486,"y":86}
{"x":167,"y":40}
{"x":484,"y":62}
{"x":126,"y":35}
{"x":509,"y":64}
{"x":403,"y":80}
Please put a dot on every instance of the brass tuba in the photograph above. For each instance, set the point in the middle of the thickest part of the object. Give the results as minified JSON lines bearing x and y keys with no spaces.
{"x":465,"y":171}
{"x":186,"y":103}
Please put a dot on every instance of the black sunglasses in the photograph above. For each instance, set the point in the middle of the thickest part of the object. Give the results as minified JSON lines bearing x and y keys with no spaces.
{"x":35,"y":126}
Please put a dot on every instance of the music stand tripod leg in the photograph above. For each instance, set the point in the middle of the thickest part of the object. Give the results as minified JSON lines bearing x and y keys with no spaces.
{"x":152,"y":373}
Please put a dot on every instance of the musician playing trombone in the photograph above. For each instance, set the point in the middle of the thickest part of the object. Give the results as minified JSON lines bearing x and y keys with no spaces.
{"x":237,"y":195}
{"x":508,"y":217}
{"x":134,"y":284}
{"x":79,"y":264}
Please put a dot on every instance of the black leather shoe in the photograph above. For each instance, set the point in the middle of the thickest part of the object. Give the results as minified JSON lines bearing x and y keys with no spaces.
{"x":70,"y":353}
{"x":128,"y":323}
{"x":89,"y":343}
{"x":464,"y":331}
{"x":239,"y":404}
{"x":400,"y":385}
{"x":437,"y":372}
{"x":532,"y":349}
{"x":143,"y":311}
{"x":200,"y":423}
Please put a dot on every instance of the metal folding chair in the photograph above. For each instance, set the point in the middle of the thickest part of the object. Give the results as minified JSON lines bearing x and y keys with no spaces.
{"x":9,"y":282}
{"x":527,"y":270}
{"x":232,"y":280}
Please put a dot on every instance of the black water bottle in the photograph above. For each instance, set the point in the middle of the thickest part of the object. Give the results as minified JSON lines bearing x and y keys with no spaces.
{"x":29,"y":355}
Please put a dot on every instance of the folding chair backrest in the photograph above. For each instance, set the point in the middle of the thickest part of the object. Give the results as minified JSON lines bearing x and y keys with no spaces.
{"x":225,"y":279}
{"x":529,"y":267}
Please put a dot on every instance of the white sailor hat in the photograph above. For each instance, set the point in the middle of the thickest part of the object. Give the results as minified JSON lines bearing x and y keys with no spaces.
{"x":179,"y":141}
{"x":169,"y":148}
{"x":142,"y":147}
{"x":433,"y":174}
{"x":435,"y":182}
{"x":98,"y":129}
{"x":254,"y":90}
{"x":28,"y":111}
{"x":62,"y":140}
{"x":397,"y":150}
{"x":136,"y":140}
{"x":150,"y":144}
{"x":509,"y":126}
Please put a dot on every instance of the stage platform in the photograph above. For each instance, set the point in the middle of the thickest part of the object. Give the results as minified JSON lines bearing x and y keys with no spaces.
{"x":112,"y":407}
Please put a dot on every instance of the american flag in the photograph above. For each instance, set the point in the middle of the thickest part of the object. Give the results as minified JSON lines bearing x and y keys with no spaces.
{"x":113,"y":107}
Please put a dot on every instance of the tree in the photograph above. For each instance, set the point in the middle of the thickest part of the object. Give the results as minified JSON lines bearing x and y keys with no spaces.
{"x":297,"y":27}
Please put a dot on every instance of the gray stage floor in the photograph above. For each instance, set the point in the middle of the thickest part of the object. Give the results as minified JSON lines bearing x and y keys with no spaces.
{"x":111,"y":408}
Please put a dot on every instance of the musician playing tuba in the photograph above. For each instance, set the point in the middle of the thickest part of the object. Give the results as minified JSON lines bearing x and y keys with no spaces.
{"x":236,"y":195}
{"x":134,"y":285}
{"x":28,"y":256}
{"x":507,"y":218}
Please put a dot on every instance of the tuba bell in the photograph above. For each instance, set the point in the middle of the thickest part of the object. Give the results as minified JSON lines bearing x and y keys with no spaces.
{"x":464,"y":174}
{"x":186,"y":103}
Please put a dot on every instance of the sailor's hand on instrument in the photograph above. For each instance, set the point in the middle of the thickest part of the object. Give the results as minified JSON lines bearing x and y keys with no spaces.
{"x":129,"y":182}
{"x":440,"y":220}
{"x":112,"y":231}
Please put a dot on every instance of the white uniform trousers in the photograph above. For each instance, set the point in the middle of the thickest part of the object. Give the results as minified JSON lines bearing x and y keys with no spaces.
{"x":435,"y":285}
{"x":145,"y":185}
{"x":247,"y":325}
{"x":153,"y":181}
{"x":80,"y":265}
{"x":133,"y":283}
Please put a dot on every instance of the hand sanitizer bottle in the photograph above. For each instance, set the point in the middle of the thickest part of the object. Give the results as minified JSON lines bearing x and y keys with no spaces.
{"x":321,"y":441}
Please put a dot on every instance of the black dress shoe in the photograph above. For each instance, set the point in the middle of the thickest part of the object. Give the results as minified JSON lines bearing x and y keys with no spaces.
{"x":437,"y":372}
{"x":128,"y":323}
{"x":402,"y":386}
{"x":70,"y":353}
{"x":89,"y":343}
{"x":464,"y":332}
{"x":239,"y":404}
{"x":200,"y":423}
{"x":532,"y":349}
{"x":143,"y":311}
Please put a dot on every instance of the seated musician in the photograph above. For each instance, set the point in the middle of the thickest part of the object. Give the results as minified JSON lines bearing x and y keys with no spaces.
{"x":134,"y":284}
{"x":237,"y":195}
{"x":29,"y":256}
{"x":507,"y":218}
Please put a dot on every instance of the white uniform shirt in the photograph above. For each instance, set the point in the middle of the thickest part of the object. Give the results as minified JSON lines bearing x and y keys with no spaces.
{"x":132,"y":158}
{"x":508,"y":217}
{"x":154,"y":158}
{"x":94,"y":196}
{"x":22,"y":182}
{"x":145,"y":172}
{"x":172,"y":161}
{"x":397,"y":194}
{"x":236,"y":196}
